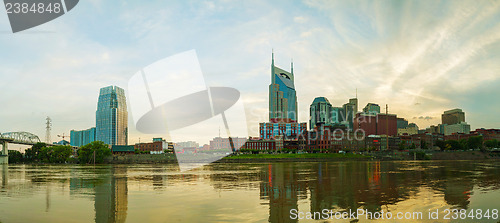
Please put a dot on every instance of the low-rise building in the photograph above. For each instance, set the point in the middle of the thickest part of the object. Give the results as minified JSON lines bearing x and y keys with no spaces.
{"x":219,"y":143}
{"x":488,"y":134}
{"x":264,"y":144}
{"x":122,"y":149}
{"x":290,"y":130}
{"x":83,"y":137}
{"x":158,"y":146}
{"x":461,"y":127}
{"x":411,"y":129}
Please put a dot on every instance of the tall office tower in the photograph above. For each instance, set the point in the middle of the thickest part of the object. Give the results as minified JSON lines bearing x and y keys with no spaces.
{"x":354,"y":103}
{"x":371,"y":108}
{"x":349,"y":114}
{"x":111,"y":116}
{"x":320,"y":112}
{"x":282,"y":95}
{"x":453,"y":116}
{"x":337,"y":115}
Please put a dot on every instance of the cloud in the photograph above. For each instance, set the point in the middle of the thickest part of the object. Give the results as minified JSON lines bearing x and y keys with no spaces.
{"x":424,"y":118}
{"x":418,"y":58}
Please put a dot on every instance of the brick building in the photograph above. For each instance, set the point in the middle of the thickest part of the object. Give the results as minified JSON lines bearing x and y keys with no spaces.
{"x":158,"y":146}
{"x":380,"y":124}
{"x":264,"y":144}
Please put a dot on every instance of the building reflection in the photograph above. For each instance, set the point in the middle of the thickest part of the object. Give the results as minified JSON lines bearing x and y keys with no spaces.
{"x":456,"y":184}
{"x":314,"y":186}
{"x":353,"y":185}
{"x":109,"y":187}
{"x":374,"y":186}
{"x":283,"y":186}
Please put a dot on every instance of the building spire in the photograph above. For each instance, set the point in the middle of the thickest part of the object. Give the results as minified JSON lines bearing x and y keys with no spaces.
{"x":272,"y":56}
{"x":272,"y":66}
{"x":292,"y":66}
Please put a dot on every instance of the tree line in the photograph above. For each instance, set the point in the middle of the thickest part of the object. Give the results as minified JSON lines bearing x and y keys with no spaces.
{"x":472,"y":143}
{"x":94,"y":152}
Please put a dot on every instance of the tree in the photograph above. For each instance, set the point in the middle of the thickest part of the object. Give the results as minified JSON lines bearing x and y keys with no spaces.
{"x":492,"y":143}
{"x":441,"y":144}
{"x":401,"y":146}
{"x":453,"y":145}
{"x":86,"y":152}
{"x":60,"y":154}
{"x":463,"y":143}
{"x":32,"y":155}
{"x":413,"y":146}
{"x":475,"y":142}
{"x":15,"y":156}
{"x":55,"y":154}
{"x":423,"y":144}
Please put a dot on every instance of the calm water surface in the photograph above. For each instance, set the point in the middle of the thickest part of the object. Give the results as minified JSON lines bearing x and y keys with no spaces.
{"x":244,"y":192}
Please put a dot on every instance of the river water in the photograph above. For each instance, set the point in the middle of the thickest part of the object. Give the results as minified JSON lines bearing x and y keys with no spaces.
{"x":264,"y":192}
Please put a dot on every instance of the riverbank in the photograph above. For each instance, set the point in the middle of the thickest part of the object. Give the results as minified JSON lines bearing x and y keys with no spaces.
{"x":312,"y":157}
{"x":141,"y":159}
{"x":295,"y":157}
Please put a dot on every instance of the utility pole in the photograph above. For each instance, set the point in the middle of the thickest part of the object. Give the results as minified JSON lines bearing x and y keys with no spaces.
{"x":387,"y":126}
{"x":48,"y":127}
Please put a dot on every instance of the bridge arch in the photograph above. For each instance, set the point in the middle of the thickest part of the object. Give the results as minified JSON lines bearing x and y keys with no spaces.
{"x":24,"y":137}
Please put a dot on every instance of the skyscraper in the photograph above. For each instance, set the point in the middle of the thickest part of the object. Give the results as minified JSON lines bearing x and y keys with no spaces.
{"x":282,"y":95}
{"x":453,"y":116}
{"x":349,"y":114}
{"x":112,"y":116}
{"x":320,"y":112}
{"x":337,"y":115}
{"x":354,"y":103}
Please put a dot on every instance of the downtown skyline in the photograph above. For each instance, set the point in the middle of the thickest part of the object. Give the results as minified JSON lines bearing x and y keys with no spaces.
{"x":418,"y":58}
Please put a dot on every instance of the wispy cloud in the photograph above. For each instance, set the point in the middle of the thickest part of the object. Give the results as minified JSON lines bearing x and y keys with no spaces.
{"x":420,"y":57}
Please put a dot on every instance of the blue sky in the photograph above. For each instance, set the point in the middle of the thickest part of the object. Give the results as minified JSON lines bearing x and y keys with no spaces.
{"x":420,"y":57}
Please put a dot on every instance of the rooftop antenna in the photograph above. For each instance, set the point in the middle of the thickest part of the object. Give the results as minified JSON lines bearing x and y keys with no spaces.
{"x":356,"y":92}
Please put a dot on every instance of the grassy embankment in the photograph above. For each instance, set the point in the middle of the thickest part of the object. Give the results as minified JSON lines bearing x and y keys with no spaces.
{"x":297,"y":156}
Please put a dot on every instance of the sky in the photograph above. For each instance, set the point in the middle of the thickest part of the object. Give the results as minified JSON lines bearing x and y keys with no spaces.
{"x":419,"y":57}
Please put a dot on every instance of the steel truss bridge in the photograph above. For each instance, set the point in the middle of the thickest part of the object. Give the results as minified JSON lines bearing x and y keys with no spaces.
{"x":24,"y":138}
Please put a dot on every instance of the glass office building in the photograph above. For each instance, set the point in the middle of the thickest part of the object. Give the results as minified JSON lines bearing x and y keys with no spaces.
{"x":111,"y":116}
{"x":282,"y":95}
{"x":321,"y":112}
{"x":290,"y":131}
{"x":83,"y":137}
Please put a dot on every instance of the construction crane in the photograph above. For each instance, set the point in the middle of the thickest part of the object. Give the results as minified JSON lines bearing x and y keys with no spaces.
{"x":63,"y":136}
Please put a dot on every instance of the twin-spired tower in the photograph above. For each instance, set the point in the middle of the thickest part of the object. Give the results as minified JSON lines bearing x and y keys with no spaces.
{"x":282,"y":95}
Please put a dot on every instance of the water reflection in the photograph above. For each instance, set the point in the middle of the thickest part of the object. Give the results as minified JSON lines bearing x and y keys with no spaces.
{"x":278,"y":187}
{"x":108,"y":186}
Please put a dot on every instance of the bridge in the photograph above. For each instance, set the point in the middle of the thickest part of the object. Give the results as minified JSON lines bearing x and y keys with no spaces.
{"x":24,"y":138}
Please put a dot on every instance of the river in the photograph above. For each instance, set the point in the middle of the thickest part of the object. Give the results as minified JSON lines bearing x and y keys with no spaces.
{"x":263,"y":192}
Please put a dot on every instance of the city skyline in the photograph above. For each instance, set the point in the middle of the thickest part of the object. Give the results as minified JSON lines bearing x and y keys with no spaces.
{"x":418,"y":58}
